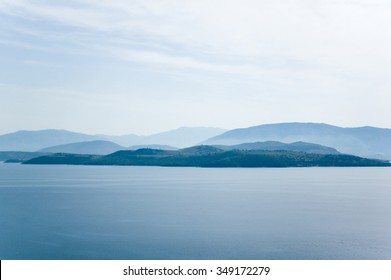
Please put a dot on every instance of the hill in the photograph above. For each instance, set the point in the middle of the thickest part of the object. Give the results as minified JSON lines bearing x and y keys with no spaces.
{"x":279,"y":146}
{"x":19,"y":156}
{"x":362,"y":141}
{"x":60,"y":158}
{"x":36,"y":140}
{"x":183,"y":136}
{"x":96,"y":147}
{"x":153,"y":146}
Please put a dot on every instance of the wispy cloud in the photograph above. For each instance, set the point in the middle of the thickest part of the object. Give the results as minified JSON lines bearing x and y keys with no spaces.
{"x":328,"y":33}
{"x":284,"y":49}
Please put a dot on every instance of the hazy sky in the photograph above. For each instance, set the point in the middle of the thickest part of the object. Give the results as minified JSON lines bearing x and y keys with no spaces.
{"x":118,"y":67}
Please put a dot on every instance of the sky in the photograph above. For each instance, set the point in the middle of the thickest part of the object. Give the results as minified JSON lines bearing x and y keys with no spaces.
{"x":118,"y":67}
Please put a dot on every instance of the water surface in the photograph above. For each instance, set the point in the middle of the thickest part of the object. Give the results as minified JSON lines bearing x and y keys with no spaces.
{"x":112,"y":212}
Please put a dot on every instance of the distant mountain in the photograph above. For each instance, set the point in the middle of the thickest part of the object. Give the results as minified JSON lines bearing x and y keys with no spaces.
{"x":36,"y":140}
{"x":40,"y":139}
{"x":362,"y":141}
{"x":279,"y":146}
{"x":183,"y":136}
{"x":96,"y":147}
{"x":207,"y":156}
{"x":153,"y":146}
{"x":122,"y":140}
{"x":180,"y":137}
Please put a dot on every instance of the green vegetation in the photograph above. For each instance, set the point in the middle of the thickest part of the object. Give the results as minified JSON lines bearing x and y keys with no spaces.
{"x":61,"y":158}
{"x":12,"y":156}
{"x":208,"y":156}
{"x":279,"y":146}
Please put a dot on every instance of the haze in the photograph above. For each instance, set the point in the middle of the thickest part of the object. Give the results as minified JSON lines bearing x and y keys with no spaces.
{"x":117,"y":67}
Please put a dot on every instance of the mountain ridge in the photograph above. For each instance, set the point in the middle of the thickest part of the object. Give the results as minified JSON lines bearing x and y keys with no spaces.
{"x":276,"y":145}
{"x":96,"y":147}
{"x":33,"y":140}
{"x":364,"y":141}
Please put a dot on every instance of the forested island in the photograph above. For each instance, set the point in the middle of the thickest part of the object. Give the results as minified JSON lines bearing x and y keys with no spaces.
{"x":210,"y":156}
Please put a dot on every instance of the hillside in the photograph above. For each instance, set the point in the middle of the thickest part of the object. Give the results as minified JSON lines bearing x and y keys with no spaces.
{"x":36,"y":140}
{"x":19,"y":156}
{"x":60,"y":158}
{"x":97,"y":147}
{"x":153,"y":146}
{"x":183,"y":136}
{"x":362,"y":141}
{"x":279,"y":146}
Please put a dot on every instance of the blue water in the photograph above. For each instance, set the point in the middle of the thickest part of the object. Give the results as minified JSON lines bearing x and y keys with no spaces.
{"x":110,"y":212}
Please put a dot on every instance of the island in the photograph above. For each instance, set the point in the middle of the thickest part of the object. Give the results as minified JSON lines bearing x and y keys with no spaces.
{"x":210,"y":156}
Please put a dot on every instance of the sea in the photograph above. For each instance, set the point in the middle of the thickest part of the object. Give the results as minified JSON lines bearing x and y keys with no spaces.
{"x":67,"y":212}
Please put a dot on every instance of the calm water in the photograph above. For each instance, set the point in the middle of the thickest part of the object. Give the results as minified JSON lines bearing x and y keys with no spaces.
{"x":87,"y":212}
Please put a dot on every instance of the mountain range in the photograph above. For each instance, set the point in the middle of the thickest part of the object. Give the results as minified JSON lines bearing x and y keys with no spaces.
{"x":365,"y":141}
{"x":370,"y":142}
{"x":96,"y":147}
{"x":32,"y":141}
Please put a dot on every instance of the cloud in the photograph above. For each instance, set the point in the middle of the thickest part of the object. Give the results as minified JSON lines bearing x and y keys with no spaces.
{"x":332,"y":36}
{"x":262,"y":51}
{"x":255,"y":39}
{"x":303,"y":29}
